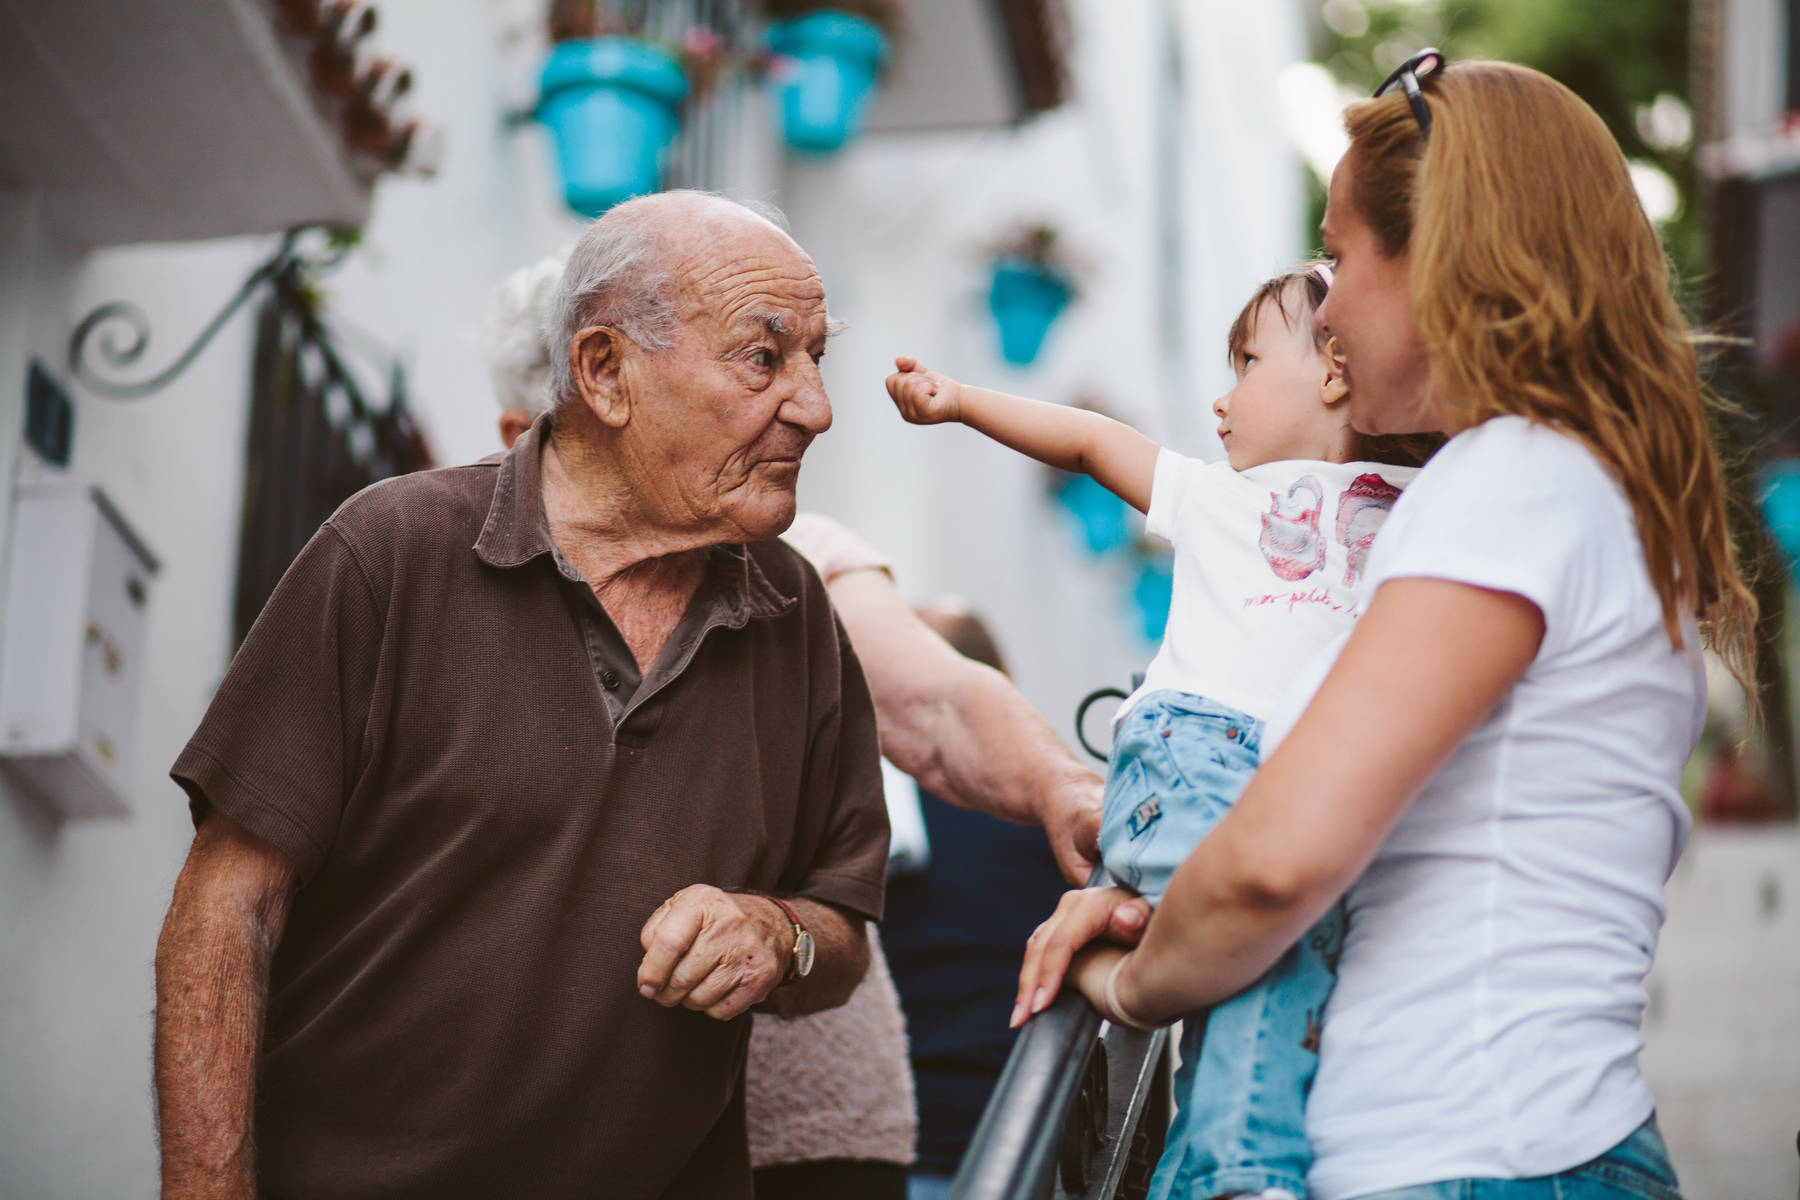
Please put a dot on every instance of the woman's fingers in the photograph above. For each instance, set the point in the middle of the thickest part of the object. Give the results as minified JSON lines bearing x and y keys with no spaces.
{"x":1080,"y":918}
{"x":1028,"y":974}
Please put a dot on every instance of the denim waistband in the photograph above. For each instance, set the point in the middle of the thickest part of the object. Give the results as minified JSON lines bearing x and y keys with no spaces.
{"x":1175,"y":704}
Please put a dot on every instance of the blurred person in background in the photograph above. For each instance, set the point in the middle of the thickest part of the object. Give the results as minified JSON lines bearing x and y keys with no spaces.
{"x":953,"y":935}
{"x":830,"y":1095}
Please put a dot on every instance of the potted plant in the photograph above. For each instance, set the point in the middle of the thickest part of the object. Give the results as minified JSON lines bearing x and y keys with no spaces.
{"x":826,"y":59}
{"x":1034,"y":280}
{"x":1153,"y":590}
{"x":612,"y":99}
{"x":1100,"y":518}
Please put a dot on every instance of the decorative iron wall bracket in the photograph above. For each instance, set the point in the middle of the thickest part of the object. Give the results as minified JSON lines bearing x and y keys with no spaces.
{"x":94,"y":338}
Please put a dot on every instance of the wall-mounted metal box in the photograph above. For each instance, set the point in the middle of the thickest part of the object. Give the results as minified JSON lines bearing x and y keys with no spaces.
{"x":72,"y":658}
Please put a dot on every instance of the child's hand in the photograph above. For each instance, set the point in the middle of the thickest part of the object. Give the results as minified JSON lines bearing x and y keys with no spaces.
{"x":923,"y":396}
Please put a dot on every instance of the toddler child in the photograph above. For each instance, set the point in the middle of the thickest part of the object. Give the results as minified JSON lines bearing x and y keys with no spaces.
{"x":1268,"y":550}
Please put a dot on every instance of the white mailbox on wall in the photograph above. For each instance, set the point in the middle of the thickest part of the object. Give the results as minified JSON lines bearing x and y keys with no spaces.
{"x":72,"y":662}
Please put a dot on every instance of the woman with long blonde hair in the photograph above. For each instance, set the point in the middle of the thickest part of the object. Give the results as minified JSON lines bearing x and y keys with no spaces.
{"x":1487,"y":768}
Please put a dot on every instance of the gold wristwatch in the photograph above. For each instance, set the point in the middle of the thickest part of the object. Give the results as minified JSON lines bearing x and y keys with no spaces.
{"x":802,"y":964}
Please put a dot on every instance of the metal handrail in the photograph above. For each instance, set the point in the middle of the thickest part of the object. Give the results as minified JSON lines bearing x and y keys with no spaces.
{"x":1075,"y":1093}
{"x":1059,"y":1099}
{"x":1046,"y":1111}
{"x":1014,"y":1151}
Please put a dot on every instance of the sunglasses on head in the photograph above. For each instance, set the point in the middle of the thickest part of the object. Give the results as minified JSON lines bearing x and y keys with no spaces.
{"x":1407,"y":75}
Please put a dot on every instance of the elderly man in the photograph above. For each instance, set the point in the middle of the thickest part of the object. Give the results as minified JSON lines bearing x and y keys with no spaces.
{"x":534,"y":775}
{"x":829,"y":1096}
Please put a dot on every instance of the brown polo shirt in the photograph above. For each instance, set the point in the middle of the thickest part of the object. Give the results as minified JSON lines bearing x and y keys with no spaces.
{"x":437,"y":723}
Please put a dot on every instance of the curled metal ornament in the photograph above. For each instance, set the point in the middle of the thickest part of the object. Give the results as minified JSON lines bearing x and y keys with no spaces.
{"x":115,"y":355}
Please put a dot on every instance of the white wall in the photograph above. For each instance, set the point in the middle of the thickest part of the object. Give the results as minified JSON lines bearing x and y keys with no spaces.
{"x":1754,"y":69}
{"x":897,"y":225}
{"x":1720,"y":1050}
{"x":83,"y":900}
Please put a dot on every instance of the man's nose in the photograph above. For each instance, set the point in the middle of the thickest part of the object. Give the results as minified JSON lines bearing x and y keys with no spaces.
{"x":809,"y":407}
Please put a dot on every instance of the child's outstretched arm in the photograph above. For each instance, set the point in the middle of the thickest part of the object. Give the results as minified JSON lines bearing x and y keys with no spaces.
{"x":1118,"y":457}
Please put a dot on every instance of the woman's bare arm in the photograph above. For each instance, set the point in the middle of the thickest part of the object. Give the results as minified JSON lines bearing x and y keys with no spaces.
{"x":1424,"y":668}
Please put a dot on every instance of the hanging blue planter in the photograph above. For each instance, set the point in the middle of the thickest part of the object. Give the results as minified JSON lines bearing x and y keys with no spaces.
{"x":835,"y":60}
{"x":614,"y":105}
{"x":1102,"y":518}
{"x":1780,"y":499}
{"x":1025,"y":299}
{"x":1151,"y":594}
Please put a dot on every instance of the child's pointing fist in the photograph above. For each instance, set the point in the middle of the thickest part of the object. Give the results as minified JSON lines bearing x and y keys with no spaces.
{"x":924,"y":397}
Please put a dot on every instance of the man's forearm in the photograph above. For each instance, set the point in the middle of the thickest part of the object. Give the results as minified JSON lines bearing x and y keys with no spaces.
{"x":840,"y":960}
{"x":212,"y":970}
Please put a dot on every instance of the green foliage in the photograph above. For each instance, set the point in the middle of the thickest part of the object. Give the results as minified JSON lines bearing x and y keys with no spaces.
{"x":1618,"y":55}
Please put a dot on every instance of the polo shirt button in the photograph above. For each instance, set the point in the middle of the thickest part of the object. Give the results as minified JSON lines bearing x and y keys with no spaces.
{"x":610,"y":679}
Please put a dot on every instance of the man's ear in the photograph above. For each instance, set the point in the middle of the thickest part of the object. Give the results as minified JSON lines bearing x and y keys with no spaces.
{"x":596,"y":359}
{"x":1334,"y":387}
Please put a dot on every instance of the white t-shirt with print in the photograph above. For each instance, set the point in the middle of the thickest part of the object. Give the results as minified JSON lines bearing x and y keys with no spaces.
{"x":1266,"y":566}
{"x":1486,"y":1020}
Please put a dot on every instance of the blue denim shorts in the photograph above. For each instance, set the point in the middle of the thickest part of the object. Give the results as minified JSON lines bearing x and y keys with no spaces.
{"x":1178,"y":763}
{"x":1637,"y":1168}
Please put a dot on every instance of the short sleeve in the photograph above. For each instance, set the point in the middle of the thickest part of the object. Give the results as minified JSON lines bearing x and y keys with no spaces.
{"x":1520,"y":509}
{"x":846,"y":864}
{"x":831,"y":549}
{"x":1177,"y":483}
{"x":282,"y":743}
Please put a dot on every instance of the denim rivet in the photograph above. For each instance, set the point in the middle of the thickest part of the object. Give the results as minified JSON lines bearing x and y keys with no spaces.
{"x":1231,"y":734}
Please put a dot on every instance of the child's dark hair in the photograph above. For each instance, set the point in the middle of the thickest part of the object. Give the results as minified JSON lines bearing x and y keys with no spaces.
{"x":1296,"y":295}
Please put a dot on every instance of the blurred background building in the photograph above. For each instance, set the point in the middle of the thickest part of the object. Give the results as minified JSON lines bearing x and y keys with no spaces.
{"x":357,"y":178}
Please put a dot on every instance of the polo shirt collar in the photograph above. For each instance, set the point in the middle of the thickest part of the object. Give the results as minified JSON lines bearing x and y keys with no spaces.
{"x":515,"y":532}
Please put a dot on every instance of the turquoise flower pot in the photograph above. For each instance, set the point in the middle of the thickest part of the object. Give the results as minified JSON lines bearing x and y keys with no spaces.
{"x":1151,"y":594}
{"x":1102,"y":519}
{"x":613,"y":105}
{"x":1780,"y":499}
{"x":1026,"y":300}
{"x":836,"y":59}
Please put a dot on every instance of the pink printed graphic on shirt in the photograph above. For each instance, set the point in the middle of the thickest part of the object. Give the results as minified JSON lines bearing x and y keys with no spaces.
{"x":1361,"y":511}
{"x":1290,"y":539}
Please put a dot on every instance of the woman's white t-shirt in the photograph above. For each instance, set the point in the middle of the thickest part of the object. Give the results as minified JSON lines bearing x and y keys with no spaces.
{"x":1486,"y":1019}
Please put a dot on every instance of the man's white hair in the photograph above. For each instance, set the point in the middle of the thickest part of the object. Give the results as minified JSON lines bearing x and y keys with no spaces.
{"x":620,"y":274}
{"x":512,"y":337}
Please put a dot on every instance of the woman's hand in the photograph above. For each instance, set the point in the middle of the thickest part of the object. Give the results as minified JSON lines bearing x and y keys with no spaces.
{"x":1081,"y":917}
{"x":923,"y":396}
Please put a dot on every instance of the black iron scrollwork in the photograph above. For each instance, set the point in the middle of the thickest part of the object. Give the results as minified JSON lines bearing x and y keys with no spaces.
{"x":1081,"y":711}
{"x":97,"y":334}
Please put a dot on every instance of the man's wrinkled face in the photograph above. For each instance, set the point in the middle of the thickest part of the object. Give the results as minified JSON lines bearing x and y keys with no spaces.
{"x":721,"y":419}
